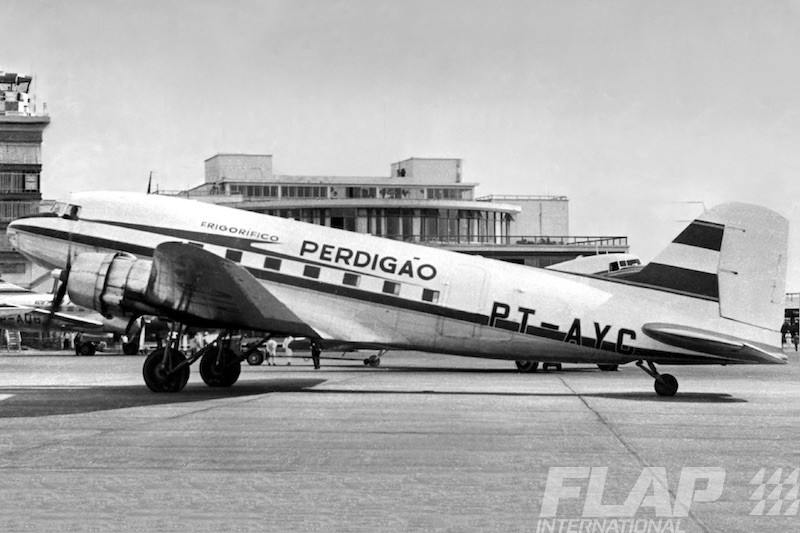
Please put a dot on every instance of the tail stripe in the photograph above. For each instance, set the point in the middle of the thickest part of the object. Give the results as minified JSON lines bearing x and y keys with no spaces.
{"x":679,"y":279}
{"x":702,"y":235}
{"x":690,"y":257}
{"x":689,"y":264}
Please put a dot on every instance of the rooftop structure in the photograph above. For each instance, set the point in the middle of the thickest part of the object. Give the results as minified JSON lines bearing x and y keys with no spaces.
{"x":422,"y":200}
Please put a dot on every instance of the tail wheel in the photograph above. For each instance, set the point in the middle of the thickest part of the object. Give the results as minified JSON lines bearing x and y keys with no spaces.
{"x":220,"y":369}
{"x":373,"y":360}
{"x":666,"y":385}
{"x":527,"y":366}
{"x":158,"y":378}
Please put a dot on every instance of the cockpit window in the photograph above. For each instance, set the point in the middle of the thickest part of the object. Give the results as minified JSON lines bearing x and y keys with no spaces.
{"x":68,"y":211}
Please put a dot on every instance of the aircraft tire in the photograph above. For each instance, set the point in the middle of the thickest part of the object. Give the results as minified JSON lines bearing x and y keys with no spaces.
{"x":527,"y":366}
{"x":223,"y":375}
{"x":155,"y":377}
{"x":373,"y":361}
{"x":87,"y":348}
{"x":667,"y":385}
{"x":255,"y":358}
{"x":608,"y":368}
{"x":130,"y":348}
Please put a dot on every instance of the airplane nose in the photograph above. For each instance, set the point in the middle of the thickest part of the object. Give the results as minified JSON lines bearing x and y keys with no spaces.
{"x":13,"y":235}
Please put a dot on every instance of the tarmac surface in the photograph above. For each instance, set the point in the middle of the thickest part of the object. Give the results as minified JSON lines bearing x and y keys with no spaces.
{"x":423,"y":442}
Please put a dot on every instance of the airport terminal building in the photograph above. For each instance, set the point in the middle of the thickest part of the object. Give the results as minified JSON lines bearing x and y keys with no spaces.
{"x":421,"y":200}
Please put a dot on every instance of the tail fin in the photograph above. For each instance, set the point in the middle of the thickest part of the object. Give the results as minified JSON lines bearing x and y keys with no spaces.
{"x":735,"y":254}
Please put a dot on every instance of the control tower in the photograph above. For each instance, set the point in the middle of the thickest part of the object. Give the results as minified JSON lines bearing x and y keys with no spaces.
{"x":21,"y":129}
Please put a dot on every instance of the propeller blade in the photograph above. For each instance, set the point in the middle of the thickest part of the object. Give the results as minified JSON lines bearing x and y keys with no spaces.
{"x":58,"y":297}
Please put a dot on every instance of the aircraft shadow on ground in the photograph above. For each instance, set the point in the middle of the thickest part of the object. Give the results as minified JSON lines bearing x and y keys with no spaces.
{"x":510,"y":370}
{"x":44,"y":401}
{"x":687,"y":397}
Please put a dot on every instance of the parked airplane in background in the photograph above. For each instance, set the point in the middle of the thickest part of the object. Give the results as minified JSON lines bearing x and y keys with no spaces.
{"x":25,"y":310}
{"x":713,"y":296}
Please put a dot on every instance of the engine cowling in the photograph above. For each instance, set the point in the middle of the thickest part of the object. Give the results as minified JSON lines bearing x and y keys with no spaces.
{"x":113,"y":284}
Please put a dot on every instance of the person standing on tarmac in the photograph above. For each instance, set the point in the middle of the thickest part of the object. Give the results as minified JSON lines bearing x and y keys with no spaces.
{"x":286,"y":342}
{"x":315,"y":353}
{"x":272,"y":349}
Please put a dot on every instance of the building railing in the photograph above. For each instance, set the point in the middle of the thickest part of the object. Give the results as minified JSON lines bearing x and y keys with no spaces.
{"x":512,"y":197}
{"x":514,"y":240}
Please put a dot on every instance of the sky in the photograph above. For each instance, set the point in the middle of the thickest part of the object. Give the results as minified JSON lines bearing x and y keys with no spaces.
{"x":641,"y":112}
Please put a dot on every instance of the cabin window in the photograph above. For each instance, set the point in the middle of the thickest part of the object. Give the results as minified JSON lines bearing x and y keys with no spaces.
{"x":311,"y":271}
{"x":351,"y":279}
{"x":429,"y":295}
{"x":233,"y":255}
{"x":390,"y":287}
{"x":272,"y":264}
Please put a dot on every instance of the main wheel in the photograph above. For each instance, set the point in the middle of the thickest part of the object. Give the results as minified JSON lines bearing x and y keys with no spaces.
{"x":527,"y":366}
{"x":373,"y":361}
{"x":255,"y":358}
{"x":667,"y":385}
{"x":87,"y":348}
{"x":130,"y":348}
{"x":608,"y":368}
{"x":157,"y":377}
{"x":222,"y":373}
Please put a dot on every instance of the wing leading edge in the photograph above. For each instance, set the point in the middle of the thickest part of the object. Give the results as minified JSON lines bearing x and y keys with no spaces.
{"x":198,"y":284}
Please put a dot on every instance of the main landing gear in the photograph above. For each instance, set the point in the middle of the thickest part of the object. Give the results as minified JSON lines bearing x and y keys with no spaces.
{"x":167,"y":369}
{"x":665,"y":384}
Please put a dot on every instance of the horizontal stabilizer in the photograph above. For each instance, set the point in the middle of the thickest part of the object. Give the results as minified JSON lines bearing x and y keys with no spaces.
{"x":727,"y":348}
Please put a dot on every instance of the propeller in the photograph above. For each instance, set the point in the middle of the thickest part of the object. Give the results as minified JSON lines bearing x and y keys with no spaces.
{"x":58,"y":296}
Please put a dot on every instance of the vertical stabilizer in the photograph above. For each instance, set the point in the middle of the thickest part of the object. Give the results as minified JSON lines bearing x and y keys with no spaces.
{"x":734,"y":253}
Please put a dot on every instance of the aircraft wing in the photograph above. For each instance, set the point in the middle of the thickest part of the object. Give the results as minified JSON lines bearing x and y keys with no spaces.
{"x":58,"y":320}
{"x":201,"y":287}
{"x":726,"y":348}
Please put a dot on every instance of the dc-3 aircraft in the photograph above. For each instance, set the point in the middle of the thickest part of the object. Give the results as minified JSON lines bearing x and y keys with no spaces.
{"x":713,"y":296}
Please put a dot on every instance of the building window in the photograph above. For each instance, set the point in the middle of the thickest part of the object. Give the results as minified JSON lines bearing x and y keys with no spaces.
{"x":429,"y":295}
{"x":311,"y":271}
{"x":15,"y":209}
{"x":297,"y":191}
{"x":351,"y":279}
{"x":272,"y":264}
{"x":233,"y":255}
{"x":390,"y":287}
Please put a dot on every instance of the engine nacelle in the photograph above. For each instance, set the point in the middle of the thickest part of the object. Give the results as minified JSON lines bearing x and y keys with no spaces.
{"x":113,"y":284}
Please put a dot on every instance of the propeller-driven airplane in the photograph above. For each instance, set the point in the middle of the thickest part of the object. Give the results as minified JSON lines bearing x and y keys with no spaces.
{"x":713,"y":296}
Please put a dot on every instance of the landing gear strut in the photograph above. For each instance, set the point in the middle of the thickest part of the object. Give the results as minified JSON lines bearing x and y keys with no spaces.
{"x":167,"y":369}
{"x":665,"y":384}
